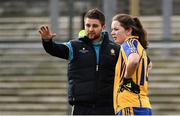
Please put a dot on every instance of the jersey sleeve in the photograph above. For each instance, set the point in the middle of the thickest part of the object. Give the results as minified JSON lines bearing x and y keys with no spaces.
{"x":130,"y":46}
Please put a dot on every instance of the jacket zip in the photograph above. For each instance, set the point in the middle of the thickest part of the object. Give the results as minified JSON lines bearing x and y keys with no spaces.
{"x":97,"y":67}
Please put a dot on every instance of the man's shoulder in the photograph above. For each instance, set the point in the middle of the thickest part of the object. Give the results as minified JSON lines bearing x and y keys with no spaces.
{"x":76,"y":42}
{"x":80,"y":40}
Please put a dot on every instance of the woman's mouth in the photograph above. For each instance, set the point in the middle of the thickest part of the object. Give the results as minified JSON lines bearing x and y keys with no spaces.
{"x":114,"y":38}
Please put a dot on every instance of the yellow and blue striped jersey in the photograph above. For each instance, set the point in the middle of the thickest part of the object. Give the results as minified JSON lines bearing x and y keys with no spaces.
{"x":140,"y":77}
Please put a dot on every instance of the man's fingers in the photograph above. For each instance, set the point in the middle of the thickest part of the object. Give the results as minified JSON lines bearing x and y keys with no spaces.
{"x":43,"y":28}
{"x":45,"y":32}
{"x":47,"y":28}
{"x":40,"y":31}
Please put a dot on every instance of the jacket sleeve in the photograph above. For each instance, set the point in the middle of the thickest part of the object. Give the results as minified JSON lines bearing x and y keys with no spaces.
{"x":56,"y":49}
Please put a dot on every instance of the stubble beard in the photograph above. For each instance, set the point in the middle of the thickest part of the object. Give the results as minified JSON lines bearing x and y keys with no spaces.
{"x":94,"y":37}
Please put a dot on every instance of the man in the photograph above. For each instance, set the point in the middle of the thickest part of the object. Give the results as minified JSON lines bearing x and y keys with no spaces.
{"x":91,"y":68}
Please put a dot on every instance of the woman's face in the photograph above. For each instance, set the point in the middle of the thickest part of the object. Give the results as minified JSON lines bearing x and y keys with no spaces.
{"x":118,"y":32}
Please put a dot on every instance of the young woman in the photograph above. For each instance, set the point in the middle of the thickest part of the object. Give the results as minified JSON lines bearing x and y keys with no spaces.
{"x":131,"y":76}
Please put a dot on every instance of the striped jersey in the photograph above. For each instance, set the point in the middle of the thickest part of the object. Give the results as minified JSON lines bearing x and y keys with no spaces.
{"x":140,"y":77}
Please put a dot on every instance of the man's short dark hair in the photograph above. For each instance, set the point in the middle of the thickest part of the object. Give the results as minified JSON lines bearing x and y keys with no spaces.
{"x":95,"y":14}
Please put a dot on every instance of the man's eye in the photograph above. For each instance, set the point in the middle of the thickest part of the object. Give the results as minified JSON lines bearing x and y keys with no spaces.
{"x":95,"y":26}
{"x":87,"y":25}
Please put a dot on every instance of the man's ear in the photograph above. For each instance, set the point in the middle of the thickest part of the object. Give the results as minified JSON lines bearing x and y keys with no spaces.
{"x":103,"y":27}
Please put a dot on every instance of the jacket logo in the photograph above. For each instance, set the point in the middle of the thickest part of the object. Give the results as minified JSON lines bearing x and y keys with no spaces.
{"x":112,"y":52}
{"x":83,"y":50}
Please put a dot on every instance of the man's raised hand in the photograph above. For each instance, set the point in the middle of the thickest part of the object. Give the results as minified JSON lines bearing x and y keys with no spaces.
{"x":45,"y":33}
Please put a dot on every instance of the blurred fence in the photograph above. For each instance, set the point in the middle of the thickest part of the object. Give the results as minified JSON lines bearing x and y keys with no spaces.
{"x":31,"y":82}
{"x":164,"y":78}
{"x":24,"y":29}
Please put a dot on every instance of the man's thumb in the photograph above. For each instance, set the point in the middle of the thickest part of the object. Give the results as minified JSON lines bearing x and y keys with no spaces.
{"x":53,"y":35}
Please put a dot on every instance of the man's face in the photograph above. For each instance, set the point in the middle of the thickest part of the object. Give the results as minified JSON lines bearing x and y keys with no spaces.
{"x":93,"y":28}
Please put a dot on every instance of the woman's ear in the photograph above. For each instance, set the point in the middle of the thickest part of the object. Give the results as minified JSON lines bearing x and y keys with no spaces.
{"x":129,"y":32}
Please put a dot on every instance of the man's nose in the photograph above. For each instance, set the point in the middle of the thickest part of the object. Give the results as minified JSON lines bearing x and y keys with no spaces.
{"x":91,"y":28}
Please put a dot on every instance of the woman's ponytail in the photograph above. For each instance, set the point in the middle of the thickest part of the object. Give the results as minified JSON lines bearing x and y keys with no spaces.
{"x":139,"y":31}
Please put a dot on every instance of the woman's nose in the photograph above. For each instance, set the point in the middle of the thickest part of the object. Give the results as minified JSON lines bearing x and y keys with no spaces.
{"x":112,"y":32}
